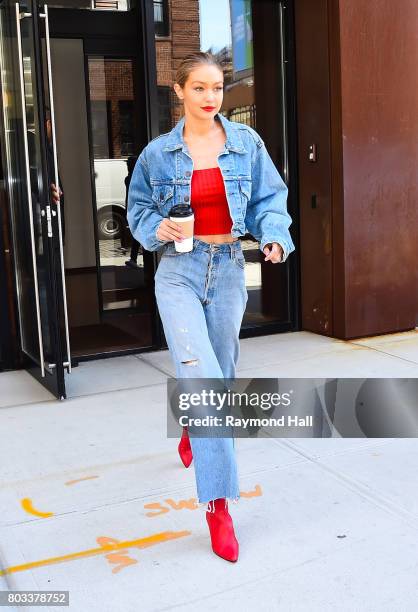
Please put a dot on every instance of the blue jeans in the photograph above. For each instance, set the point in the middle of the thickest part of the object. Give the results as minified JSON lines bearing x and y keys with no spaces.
{"x":201,"y":297}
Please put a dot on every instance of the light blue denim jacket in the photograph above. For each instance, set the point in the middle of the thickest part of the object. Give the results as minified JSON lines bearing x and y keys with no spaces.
{"x":255,"y":191}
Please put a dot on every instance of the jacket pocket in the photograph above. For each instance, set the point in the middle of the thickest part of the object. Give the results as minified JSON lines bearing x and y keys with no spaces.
{"x":163,"y":197}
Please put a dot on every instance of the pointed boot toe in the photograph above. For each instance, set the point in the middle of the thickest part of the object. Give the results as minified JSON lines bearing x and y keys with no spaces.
{"x":184,"y":449}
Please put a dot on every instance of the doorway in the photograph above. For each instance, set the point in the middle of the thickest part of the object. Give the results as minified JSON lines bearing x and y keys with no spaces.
{"x":74,"y":115}
{"x":101,"y":126}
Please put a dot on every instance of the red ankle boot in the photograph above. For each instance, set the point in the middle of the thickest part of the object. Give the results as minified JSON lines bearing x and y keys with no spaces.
{"x":224,"y":542}
{"x":184,"y":448}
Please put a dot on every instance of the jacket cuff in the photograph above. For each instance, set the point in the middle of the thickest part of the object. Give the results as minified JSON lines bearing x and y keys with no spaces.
{"x":160,"y":242}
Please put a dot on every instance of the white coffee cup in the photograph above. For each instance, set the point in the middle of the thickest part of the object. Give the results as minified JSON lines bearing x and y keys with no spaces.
{"x":183,"y":215}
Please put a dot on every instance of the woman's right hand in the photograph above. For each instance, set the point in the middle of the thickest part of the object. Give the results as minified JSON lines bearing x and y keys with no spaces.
{"x":169,"y":230}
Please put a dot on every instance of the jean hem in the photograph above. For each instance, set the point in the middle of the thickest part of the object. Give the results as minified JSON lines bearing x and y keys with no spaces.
{"x":209,"y":506}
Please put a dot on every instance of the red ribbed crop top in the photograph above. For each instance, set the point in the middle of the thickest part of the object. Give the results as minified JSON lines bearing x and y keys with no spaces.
{"x":209,"y":203}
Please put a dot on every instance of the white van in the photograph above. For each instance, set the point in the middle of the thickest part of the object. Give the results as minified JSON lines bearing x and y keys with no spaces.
{"x":110,"y":196}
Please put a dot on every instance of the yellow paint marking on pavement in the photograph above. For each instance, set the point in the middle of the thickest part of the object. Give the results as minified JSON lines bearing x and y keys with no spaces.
{"x":70,"y":482}
{"x":28,"y":507}
{"x":119,"y":557}
{"x":183,"y":503}
{"x":156,"y":506}
{"x":163,"y":536}
{"x":256,"y":493}
{"x":190,"y":504}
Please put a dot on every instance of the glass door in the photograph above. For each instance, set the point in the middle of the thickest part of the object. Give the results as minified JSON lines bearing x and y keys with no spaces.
{"x":31,"y":168}
{"x":102,"y":126}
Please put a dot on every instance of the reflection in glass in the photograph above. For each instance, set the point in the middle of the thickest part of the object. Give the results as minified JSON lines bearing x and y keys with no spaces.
{"x":224,"y":28}
{"x":112,"y":129}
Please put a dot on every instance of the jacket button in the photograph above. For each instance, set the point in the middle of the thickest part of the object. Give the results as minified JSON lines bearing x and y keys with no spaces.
{"x":188,"y":173}
{"x":186,"y":198}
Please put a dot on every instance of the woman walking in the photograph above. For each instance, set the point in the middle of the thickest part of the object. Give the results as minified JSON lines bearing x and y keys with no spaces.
{"x":223,"y":170}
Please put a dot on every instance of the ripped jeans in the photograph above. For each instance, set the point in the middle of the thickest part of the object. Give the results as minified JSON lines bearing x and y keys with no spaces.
{"x":201,"y":297}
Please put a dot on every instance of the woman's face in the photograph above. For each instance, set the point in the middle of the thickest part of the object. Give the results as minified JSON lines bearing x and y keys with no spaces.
{"x":203,"y":88}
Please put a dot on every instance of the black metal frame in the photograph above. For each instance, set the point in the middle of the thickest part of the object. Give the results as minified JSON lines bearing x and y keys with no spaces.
{"x":6,"y":340}
{"x":295,"y":305}
{"x":151,"y":101}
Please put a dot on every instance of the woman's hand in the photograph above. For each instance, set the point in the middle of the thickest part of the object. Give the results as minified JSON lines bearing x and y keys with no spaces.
{"x":274,"y":254}
{"x":56,"y":193}
{"x":169,"y":230}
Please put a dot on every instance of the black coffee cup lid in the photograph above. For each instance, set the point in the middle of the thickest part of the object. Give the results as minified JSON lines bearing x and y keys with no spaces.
{"x":181,"y":210}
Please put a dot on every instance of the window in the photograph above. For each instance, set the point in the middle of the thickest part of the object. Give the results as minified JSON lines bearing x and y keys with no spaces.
{"x":161,"y":18}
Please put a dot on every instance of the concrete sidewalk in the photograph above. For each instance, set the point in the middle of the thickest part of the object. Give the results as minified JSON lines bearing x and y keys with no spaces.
{"x":96,"y":501}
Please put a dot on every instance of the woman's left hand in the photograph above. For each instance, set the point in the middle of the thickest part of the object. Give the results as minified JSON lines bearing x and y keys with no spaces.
{"x":274,"y":254}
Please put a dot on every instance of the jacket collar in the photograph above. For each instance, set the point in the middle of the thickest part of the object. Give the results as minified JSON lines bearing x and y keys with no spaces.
{"x":233,"y":138}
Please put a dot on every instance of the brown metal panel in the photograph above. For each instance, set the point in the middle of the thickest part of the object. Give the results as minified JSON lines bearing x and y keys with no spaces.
{"x":312,"y":65}
{"x":379,"y":84}
{"x":358,"y":102}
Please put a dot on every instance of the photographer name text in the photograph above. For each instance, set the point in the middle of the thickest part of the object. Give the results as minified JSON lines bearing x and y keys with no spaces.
{"x":231,"y":421}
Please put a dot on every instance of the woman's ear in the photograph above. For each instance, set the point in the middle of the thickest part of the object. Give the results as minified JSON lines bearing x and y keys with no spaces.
{"x":178,"y":91}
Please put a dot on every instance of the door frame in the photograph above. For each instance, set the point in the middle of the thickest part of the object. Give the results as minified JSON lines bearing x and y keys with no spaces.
{"x":31,"y":181}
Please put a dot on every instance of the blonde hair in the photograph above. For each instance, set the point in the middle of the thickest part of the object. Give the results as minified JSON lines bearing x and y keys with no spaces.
{"x":192,"y":61}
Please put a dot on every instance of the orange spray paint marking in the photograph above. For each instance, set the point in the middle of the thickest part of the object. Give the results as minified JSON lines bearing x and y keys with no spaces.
{"x":28,"y":507}
{"x":191,"y":503}
{"x":70,"y":482}
{"x":157,"y":538}
{"x":156,"y":506}
{"x":256,"y":493}
{"x":120,"y":557}
{"x":183,"y":503}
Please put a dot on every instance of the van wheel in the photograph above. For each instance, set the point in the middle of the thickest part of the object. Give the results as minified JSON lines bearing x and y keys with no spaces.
{"x":110,"y":225}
